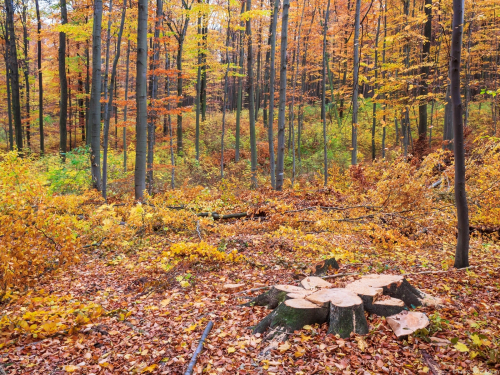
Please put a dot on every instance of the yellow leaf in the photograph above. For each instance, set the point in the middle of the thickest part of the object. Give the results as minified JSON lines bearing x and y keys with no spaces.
{"x":150,"y":368}
{"x":362,"y":345}
{"x":165,"y":302}
{"x":461,"y":347}
{"x":231,"y":350}
{"x":300,"y":352}
{"x":476,"y":340}
{"x":283,"y":348}
{"x":191,"y":328}
{"x":71,"y":368}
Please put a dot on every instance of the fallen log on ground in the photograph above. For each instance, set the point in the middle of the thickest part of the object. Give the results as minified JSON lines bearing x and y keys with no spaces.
{"x":207,"y":330}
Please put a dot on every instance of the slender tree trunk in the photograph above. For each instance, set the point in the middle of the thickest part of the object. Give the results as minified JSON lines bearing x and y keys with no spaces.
{"x":109,"y":104}
{"x":225,"y":92}
{"x":383,"y":80}
{"x":204,"y":31}
{"x":198,"y":94}
{"x":179,"y":94}
{"x":81,"y":106}
{"x":14,"y":74}
{"x":141,"y":100}
{"x":467,"y":74}
{"x":106,"y":63}
{"x":282,"y":100}
{"x":26,"y":74}
{"x":462,"y":250}
{"x":169,"y":118}
{"x":40,"y":80}
{"x":240,"y":89}
{"x":354,"y":146}
{"x":259,"y":48}
{"x":426,"y":49}
{"x":63,"y":85}
{"x":88,"y":130}
{"x":374,"y":111}
{"x":95,"y":98}
{"x":251,"y":96}
{"x":272,"y":78}
{"x":323,"y":92}
{"x":125,"y":109}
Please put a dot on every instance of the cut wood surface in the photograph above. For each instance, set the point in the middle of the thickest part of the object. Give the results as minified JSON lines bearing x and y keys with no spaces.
{"x":338,"y":296}
{"x":313,"y":282}
{"x":407,"y":322}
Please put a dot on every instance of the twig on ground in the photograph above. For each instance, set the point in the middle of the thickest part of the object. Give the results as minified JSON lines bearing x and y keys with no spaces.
{"x":433,"y":366}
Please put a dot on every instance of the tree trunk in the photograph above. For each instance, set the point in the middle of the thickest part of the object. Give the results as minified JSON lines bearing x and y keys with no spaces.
{"x":40,"y":80}
{"x":9,"y":100}
{"x":251,"y":96}
{"x":272,"y":78}
{"x":282,"y":100}
{"x":109,"y":104}
{"x":225,"y":92}
{"x":354,"y":146}
{"x":426,"y":49}
{"x":127,"y":72}
{"x":374,"y":111}
{"x":63,"y":104}
{"x":14,"y":74}
{"x":95,"y":98}
{"x":26,"y":74}
{"x":323,"y":93}
{"x":141,"y":100}
{"x":240,"y":89}
{"x":198,"y":94}
{"x":462,"y":250}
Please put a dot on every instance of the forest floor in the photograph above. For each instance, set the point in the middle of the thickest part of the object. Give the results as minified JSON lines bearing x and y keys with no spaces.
{"x":153,"y":324}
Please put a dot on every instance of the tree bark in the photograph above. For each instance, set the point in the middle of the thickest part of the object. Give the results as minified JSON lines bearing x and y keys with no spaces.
{"x":462,"y":250}
{"x":240,"y":89}
{"x":40,"y":80}
{"x":323,"y":94}
{"x":109,"y":104}
{"x":282,"y":100}
{"x":272,"y":78}
{"x":63,"y":105}
{"x":14,"y":74}
{"x":426,"y":49}
{"x":141,"y":100}
{"x":354,"y":146}
{"x":26,"y":74}
{"x":125,"y":109}
{"x":251,"y":96}
{"x":95,"y":98}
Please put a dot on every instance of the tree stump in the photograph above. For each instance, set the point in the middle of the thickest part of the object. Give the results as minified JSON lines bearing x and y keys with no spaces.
{"x":292,"y":315}
{"x":346,"y":311}
{"x":323,"y":267}
{"x":313,"y":282}
{"x":370,"y":287}
{"x":274,"y":296}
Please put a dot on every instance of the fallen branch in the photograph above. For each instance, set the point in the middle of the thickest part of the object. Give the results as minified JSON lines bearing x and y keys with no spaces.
{"x":190,"y":368}
{"x":430,"y":362}
{"x":216,"y":216}
{"x":440,"y":271}
{"x":252,"y":290}
{"x":94,"y":244}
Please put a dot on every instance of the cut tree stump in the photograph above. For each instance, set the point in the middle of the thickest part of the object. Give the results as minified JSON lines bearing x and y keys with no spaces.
{"x":407,"y":322}
{"x":322,"y":268}
{"x":274,"y":296}
{"x":313,"y":282}
{"x":370,"y":287}
{"x":232,"y":288}
{"x":292,"y":315}
{"x":346,"y":311}
{"x":386,"y":307}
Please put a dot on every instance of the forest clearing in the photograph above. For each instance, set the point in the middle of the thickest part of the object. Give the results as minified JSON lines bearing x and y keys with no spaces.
{"x":238,"y":187}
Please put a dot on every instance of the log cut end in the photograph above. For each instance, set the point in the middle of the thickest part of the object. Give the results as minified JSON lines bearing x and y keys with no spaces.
{"x":313,"y":282}
{"x":407,"y":322}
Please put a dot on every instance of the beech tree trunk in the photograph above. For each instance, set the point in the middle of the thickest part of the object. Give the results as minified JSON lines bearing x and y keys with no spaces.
{"x":462,"y":250}
{"x":272,"y":77}
{"x":240,"y":89}
{"x":354,"y":146}
{"x":141,"y":100}
{"x":40,"y":80}
{"x":323,"y":93}
{"x":14,"y":74}
{"x":251,"y":99}
{"x":127,"y":72}
{"x":426,"y":48}
{"x":95,"y":98}
{"x":26,"y":74}
{"x":63,"y":84}
{"x":282,"y":100}
{"x":109,"y":104}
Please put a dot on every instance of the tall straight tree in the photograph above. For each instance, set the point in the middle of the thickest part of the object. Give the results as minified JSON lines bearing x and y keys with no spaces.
{"x":323,"y":94}
{"x":374,"y":110}
{"x":251,"y":98}
{"x":26,"y":73}
{"x":272,"y":77}
{"x":240,"y":88}
{"x":355,"y":83}
{"x":198,"y":90}
{"x":462,"y":250}
{"x":426,"y":49}
{"x":179,"y":30}
{"x":40,"y":80}
{"x":63,"y":84}
{"x":141,"y":100}
{"x":125,"y":109}
{"x":14,"y":73}
{"x":282,"y":101}
{"x":228,"y":34}
{"x":109,"y":104}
